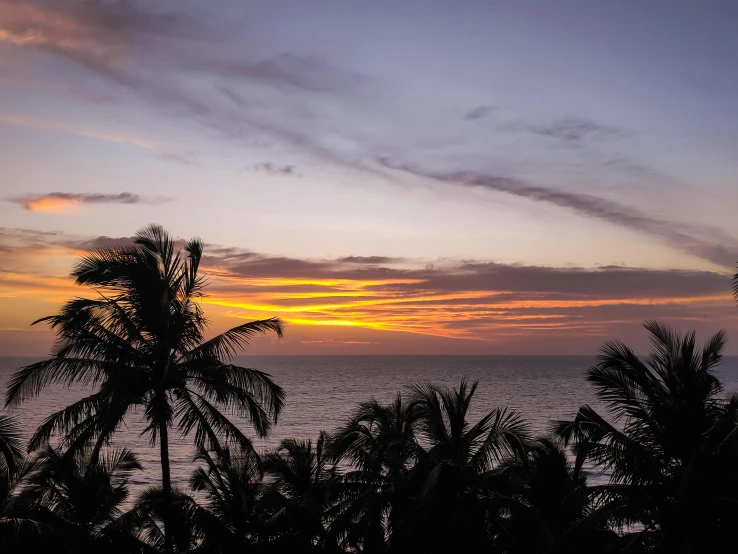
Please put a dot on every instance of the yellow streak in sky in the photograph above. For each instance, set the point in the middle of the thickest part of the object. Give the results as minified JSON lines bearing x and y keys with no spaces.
{"x":382,"y":305}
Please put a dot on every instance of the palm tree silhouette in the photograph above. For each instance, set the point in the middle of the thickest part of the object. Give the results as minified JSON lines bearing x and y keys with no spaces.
{"x":376,"y":495}
{"x":141,"y":343}
{"x":146,"y":520}
{"x":231,"y":486}
{"x":547,"y":508}
{"x":80,"y":499}
{"x":299,"y":495}
{"x":11,"y":453}
{"x":670,"y":446}
{"x":16,"y":522}
{"x":459,"y":466}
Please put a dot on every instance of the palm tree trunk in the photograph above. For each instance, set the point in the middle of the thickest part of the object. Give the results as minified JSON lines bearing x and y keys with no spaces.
{"x":166,"y":485}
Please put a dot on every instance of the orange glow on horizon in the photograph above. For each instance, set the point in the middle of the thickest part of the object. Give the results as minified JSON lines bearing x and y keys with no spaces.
{"x":406,"y":306}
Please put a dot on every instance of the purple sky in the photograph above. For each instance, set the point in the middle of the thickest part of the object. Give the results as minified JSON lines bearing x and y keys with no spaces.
{"x":550,"y":135}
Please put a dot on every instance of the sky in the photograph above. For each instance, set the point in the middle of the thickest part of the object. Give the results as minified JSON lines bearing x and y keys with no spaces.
{"x":416,"y":177}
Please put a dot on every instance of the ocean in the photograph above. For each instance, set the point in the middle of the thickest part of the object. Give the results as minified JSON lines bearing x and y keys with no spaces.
{"x":322,"y":392}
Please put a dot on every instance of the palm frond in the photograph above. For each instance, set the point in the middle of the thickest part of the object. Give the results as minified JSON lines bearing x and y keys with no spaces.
{"x":10,"y":442}
{"x":713,"y":350}
{"x":501,"y":435}
{"x":64,"y":420}
{"x":194,"y":412}
{"x":30,"y":380}
{"x":228,"y":344}
{"x":248,"y":392}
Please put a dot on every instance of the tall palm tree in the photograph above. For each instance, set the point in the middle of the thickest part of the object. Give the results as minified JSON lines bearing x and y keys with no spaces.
{"x":670,"y":443}
{"x":459,"y":466}
{"x":299,"y":495}
{"x":141,"y":342}
{"x":376,"y":496}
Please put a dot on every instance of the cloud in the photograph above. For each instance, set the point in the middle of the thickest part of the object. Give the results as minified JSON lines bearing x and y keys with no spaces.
{"x":182,"y":159}
{"x":478,"y":300}
{"x":60,"y":202}
{"x":412,"y":276}
{"x":291,"y":71}
{"x":703,"y":242}
{"x":275,"y":169}
{"x":161,"y":149}
{"x":480,"y":112}
{"x":108,"y":38}
{"x":88,"y":31}
{"x":25,"y":120}
{"x":370,"y":260}
{"x":571,"y":129}
{"x":371,"y":298}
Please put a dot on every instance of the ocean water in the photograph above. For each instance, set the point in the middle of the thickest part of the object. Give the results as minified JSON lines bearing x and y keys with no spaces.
{"x":322,"y":392}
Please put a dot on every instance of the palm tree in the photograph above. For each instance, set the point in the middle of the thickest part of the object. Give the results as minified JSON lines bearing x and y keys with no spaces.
{"x":231,"y":485}
{"x":81,"y":499}
{"x":184,"y":516}
{"x":376,"y":495}
{"x":299,"y":495}
{"x":15,"y":524}
{"x":11,"y":453}
{"x":141,"y":343}
{"x":548,"y":508}
{"x":671,"y":444}
{"x":459,"y":466}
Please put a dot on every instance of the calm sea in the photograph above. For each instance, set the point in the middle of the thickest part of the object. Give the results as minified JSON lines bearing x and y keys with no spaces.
{"x":322,"y":391}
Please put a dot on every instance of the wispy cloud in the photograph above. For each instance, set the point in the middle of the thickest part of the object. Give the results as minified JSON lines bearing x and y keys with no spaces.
{"x":572,"y":129}
{"x":371,"y":260}
{"x":480,"y":112}
{"x":24,"y":120}
{"x":292,"y":71}
{"x":60,"y":202}
{"x":95,"y":33}
{"x":274,"y":169}
{"x":187,"y":159}
{"x":107,"y":38}
{"x":702,"y":241}
{"x":161,"y":149}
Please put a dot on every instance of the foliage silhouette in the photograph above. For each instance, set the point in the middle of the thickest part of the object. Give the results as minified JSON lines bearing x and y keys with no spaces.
{"x":670,"y":446}
{"x":299,"y":495}
{"x":414,"y":475}
{"x":548,"y":505}
{"x":460,"y":467}
{"x":375,"y":500}
{"x":231,"y":485}
{"x":141,"y":343}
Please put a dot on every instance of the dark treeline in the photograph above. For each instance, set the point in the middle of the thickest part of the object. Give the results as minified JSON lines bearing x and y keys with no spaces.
{"x":416,"y":475}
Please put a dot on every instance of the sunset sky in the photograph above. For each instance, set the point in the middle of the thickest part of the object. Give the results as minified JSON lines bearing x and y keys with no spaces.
{"x":507,"y":176}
